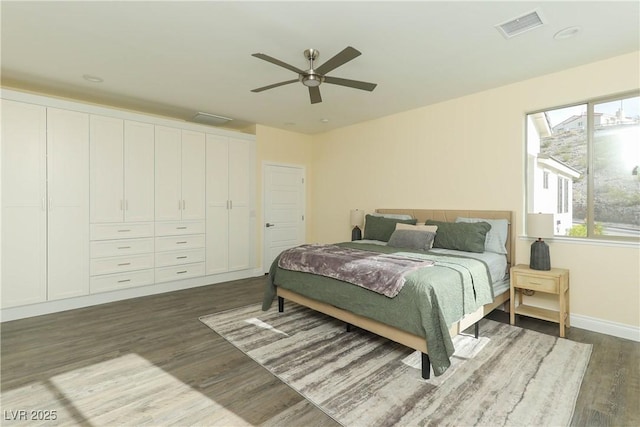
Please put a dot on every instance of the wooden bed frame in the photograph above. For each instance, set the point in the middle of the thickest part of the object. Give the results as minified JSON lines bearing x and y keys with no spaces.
{"x":410,"y":340}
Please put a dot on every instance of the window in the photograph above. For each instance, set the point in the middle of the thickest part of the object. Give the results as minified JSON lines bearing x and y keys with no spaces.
{"x":582,"y":165}
{"x":545,"y":180}
{"x":563,"y":195}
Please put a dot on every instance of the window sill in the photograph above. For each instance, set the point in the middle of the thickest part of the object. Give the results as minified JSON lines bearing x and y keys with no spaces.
{"x":591,"y":242}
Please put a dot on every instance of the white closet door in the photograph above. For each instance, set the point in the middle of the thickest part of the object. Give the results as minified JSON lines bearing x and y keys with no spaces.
{"x":193,"y":175}
{"x":241,"y":168}
{"x":107,"y":174}
{"x":168,"y":194}
{"x":239,"y":238}
{"x":241,"y":171}
{"x":217,"y":258}
{"x":68,"y":217}
{"x":138,"y":171}
{"x":24,"y":216}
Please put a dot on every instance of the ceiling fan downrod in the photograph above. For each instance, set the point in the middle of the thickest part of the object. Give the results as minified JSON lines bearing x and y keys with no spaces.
{"x":311,"y":78}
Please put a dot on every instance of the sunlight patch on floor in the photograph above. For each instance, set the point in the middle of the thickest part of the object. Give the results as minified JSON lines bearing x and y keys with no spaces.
{"x":128,"y":390}
{"x":259,"y":323}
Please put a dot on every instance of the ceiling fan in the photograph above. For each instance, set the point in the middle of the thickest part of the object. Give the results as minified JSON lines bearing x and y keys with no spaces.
{"x":314,"y":77}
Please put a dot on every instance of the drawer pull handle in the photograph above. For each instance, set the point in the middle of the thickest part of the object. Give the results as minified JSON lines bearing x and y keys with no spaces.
{"x":180,"y":243}
{"x":124,"y":247}
{"x":181,"y":228}
{"x":181,"y":272}
{"x":535,"y":283}
{"x":124,"y":281}
{"x":124,"y":263}
{"x":123,"y":231}
{"x":181,"y":257}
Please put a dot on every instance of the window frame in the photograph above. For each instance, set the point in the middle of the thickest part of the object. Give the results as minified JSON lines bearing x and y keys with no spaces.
{"x":590,"y":220}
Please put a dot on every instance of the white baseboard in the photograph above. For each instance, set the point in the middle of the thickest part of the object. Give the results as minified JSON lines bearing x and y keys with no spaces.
{"x":15,"y":313}
{"x":607,"y":327}
{"x":601,"y":326}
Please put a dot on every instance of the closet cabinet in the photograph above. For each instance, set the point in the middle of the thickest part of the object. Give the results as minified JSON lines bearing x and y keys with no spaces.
{"x":122,"y":170}
{"x":45,"y":203}
{"x":179,"y":174}
{"x":229,"y":179}
{"x":98,"y":200}
{"x":122,"y":208}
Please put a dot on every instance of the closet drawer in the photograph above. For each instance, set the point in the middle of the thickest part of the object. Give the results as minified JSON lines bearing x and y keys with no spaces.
{"x":175,"y":228}
{"x":121,"y":264}
{"x":121,"y":230}
{"x":172,"y":243}
{"x":112,"y":282}
{"x":105,"y":248}
{"x":165,"y":259}
{"x":167,"y":274}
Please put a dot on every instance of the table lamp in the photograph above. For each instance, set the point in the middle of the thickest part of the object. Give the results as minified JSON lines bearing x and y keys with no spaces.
{"x":357,"y":218}
{"x":541,"y":226}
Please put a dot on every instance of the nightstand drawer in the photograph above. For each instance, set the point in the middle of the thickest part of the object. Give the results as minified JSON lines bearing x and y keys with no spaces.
{"x":542,"y":284}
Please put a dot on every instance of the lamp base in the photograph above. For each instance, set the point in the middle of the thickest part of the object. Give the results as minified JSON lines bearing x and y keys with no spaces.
{"x":540,"y":259}
{"x":356,"y":233}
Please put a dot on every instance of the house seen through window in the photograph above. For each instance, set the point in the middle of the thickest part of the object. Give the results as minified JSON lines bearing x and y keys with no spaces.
{"x":582,"y":166}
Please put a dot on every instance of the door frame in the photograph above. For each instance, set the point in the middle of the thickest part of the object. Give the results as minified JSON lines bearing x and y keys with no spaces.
{"x":303,"y":169}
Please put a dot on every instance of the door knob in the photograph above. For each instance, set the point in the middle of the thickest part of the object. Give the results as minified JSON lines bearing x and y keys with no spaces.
{"x":270,"y":225}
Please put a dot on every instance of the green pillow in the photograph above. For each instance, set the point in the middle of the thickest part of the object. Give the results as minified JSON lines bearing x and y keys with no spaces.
{"x":381,"y":228}
{"x":461,"y":236}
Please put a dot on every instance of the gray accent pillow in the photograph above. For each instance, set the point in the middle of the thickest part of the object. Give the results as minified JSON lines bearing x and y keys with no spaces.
{"x":412,"y":239}
{"x":380,"y":228}
{"x":460,"y":236}
{"x":496,"y":237}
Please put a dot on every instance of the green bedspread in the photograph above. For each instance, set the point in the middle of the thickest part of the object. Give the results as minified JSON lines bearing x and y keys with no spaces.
{"x":432,"y":299}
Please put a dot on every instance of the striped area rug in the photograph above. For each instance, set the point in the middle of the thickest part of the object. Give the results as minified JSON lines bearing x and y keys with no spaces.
{"x":509,"y":376}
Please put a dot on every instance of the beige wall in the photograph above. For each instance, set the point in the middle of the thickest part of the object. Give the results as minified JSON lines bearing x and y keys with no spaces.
{"x":468,"y":153}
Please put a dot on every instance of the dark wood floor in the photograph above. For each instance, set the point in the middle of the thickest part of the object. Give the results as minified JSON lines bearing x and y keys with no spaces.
{"x":165,"y":331}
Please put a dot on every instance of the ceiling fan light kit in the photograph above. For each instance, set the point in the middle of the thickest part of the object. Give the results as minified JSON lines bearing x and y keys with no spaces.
{"x":314,"y":77}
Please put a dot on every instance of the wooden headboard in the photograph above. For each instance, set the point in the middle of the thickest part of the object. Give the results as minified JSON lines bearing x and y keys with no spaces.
{"x":450,"y":216}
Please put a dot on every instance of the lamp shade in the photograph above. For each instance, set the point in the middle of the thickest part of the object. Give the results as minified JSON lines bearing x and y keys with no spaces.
{"x":540,"y":225}
{"x":357,"y":218}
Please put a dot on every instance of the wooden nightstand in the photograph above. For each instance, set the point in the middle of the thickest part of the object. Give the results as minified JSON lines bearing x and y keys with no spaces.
{"x":554,"y":281}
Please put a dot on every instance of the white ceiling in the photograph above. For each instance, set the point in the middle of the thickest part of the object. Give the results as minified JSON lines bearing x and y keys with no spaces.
{"x":178,"y":58}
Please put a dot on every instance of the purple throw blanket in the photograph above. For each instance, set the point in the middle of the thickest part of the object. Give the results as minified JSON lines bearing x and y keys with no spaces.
{"x":381,"y":273}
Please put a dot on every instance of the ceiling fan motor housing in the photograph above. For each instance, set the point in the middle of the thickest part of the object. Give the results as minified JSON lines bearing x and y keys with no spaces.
{"x":311,"y":79}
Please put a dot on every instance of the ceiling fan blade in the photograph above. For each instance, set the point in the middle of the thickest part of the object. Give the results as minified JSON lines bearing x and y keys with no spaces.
{"x":350,"y":83}
{"x":314,"y":95}
{"x":277,"y":62}
{"x":343,"y":57}
{"x":260,"y":89}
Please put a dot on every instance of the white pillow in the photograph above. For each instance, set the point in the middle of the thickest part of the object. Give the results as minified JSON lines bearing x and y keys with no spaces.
{"x":432,"y":228}
{"x":496,"y":239}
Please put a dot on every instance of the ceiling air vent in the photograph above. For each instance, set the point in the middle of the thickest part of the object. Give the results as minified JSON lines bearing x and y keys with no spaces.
{"x":521,"y":24}
{"x":210,"y":119}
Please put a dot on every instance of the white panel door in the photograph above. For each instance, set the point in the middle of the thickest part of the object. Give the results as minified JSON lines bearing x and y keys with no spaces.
{"x":217,"y":166}
{"x":106,"y":169}
{"x":168,"y":194}
{"x":68,"y":216}
{"x":241,"y":171}
{"x":138,"y":171}
{"x":24,"y":216}
{"x":193,"y":175}
{"x":284,"y":201}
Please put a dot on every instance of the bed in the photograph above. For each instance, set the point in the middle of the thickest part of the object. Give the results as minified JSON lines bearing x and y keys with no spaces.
{"x":432,"y":306}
